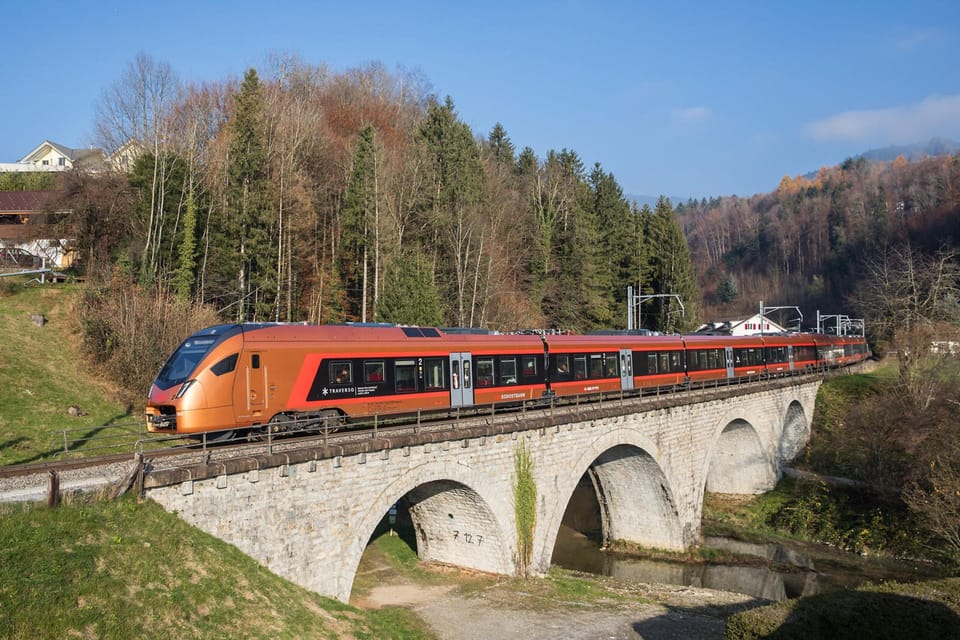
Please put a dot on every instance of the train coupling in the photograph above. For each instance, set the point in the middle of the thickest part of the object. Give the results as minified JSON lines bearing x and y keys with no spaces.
{"x":161,"y":421}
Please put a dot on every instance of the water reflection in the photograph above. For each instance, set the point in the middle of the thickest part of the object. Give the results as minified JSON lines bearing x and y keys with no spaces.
{"x":792,"y":574}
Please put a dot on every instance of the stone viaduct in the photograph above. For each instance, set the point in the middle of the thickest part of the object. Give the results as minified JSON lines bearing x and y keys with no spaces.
{"x":308,"y":514}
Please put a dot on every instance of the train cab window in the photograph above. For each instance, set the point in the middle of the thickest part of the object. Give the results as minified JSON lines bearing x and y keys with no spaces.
{"x":563,"y":366}
{"x":579,"y":367}
{"x":433,"y":377}
{"x":255,"y":361}
{"x":341,"y":372}
{"x":373,"y":372}
{"x":508,"y":371}
{"x":529,"y":366}
{"x":226,"y":365}
{"x":405,"y":376}
{"x":610,"y":365}
{"x":484,"y":372}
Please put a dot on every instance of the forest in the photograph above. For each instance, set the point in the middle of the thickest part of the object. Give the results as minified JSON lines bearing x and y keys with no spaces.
{"x":308,"y":195}
{"x":829,"y":240}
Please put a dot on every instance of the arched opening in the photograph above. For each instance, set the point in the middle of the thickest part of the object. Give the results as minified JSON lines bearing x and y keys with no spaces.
{"x":738,"y":463}
{"x":623,"y":495}
{"x":796,"y":432}
{"x":441,"y":521}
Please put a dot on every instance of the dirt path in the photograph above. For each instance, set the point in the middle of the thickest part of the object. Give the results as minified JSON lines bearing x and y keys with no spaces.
{"x":505,"y":610}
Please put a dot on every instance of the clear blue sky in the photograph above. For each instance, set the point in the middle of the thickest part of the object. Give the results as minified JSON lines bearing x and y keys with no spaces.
{"x":680,"y":98}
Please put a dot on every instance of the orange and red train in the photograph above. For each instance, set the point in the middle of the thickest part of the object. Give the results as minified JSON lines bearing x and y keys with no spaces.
{"x":243,"y":376}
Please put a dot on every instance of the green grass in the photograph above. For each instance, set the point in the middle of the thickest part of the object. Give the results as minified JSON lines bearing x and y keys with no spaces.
{"x":125,"y":569}
{"x":42,"y":376}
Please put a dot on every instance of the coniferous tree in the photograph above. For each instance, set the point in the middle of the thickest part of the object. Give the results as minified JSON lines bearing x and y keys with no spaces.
{"x":671,"y":272}
{"x":501,"y":148}
{"x":411,"y":295}
{"x":617,"y":236}
{"x":456,"y":183}
{"x":357,"y":218}
{"x":241,"y":243}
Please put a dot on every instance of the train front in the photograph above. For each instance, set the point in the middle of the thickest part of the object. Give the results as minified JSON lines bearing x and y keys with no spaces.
{"x":193,"y":392}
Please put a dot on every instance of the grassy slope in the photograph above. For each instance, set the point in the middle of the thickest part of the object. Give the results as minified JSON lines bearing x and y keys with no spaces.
{"x":125,"y":569}
{"x":41,"y":376}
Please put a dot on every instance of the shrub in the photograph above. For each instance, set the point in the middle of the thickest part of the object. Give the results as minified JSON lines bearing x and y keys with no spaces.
{"x":128,"y":331}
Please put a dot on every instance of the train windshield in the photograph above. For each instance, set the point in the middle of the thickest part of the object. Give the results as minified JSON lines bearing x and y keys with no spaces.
{"x":181,"y":365}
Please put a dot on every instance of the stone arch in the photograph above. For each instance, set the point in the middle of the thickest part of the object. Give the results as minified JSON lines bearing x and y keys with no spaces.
{"x":737,"y":463}
{"x":455,"y":514}
{"x":796,"y":433}
{"x":636,"y":496}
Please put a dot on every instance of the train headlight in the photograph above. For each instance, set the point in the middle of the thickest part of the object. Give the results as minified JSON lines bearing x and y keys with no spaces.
{"x":183,"y":389}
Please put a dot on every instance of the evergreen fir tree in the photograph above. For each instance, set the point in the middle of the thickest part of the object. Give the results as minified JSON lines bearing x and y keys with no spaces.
{"x":355,"y":223}
{"x":671,"y":271}
{"x":243,"y":239}
{"x":411,"y":295}
{"x":456,"y":184}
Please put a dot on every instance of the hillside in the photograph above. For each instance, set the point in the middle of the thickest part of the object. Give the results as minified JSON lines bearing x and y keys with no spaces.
{"x":42,"y":376}
{"x":812,"y":241}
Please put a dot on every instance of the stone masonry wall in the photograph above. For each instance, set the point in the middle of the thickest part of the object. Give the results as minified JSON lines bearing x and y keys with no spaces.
{"x":310,"y":520}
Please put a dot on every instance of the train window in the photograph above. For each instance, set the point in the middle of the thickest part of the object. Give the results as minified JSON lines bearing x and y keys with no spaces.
{"x":255,"y":361}
{"x":405,"y":375}
{"x":341,"y":372}
{"x":676,"y":361}
{"x":529,"y":365}
{"x":484,"y":372}
{"x":466,"y":374}
{"x":563,"y":365}
{"x":579,"y":367}
{"x":664,"y":366}
{"x":714,"y":359}
{"x":610,"y":365}
{"x":748,"y":357}
{"x":373,"y":372}
{"x":226,"y":365}
{"x":651,"y":363}
{"x":455,"y":375}
{"x":433,"y":377}
{"x":703,"y":360}
{"x":596,"y":365}
{"x":508,"y":371}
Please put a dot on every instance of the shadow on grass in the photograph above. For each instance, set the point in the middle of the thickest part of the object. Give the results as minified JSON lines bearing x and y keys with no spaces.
{"x":837,"y":615}
{"x":9,"y":444}
{"x":86,"y":437}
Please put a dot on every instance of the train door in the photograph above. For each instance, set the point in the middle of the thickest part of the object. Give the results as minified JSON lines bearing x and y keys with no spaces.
{"x":729,"y":358}
{"x":790,"y":355}
{"x":626,"y":369}
{"x":461,"y":381}
{"x":256,"y":379}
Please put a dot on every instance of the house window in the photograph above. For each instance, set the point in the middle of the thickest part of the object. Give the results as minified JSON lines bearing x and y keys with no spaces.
{"x":62,"y":162}
{"x":45,"y":163}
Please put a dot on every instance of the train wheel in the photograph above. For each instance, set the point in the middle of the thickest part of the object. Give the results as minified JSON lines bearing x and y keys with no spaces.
{"x":329,"y":421}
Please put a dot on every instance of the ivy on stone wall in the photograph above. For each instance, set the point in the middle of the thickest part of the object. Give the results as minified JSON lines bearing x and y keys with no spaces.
{"x":525,"y":506}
